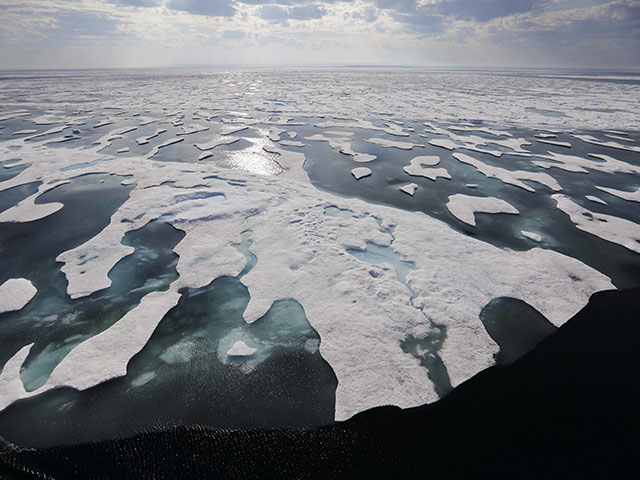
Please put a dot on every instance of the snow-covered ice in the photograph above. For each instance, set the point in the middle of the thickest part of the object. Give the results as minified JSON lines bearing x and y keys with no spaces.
{"x":465,"y":207}
{"x":360,"y":172}
{"x":15,"y":293}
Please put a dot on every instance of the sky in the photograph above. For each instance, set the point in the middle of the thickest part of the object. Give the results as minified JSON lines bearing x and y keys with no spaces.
{"x":423,"y":33}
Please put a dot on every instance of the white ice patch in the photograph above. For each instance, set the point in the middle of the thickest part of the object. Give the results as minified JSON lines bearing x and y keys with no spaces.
{"x":341,"y":141}
{"x":383,"y":142}
{"x":464,"y":207}
{"x":409,"y":189}
{"x":360,"y":172}
{"x":15,"y":293}
{"x":593,"y":198}
{"x":531,"y":235}
{"x":571,"y":163}
{"x":556,"y":143}
{"x":591,"y":139}
{"x":217,"y":141}
{"x":145,"y":140}
{"x":420,"y":167}
{"x":511,"y":177}
{"x":28,"y":211}
{"x":240,"y":349}
{"x":99,"y":358}
{"x":630,"y":196}
{"x":610,"y":228}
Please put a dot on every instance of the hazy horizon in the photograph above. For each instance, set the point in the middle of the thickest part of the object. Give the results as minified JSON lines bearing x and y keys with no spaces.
{"x":497,"y":34}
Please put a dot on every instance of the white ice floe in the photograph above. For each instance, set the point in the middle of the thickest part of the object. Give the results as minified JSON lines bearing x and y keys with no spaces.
{"x":554,"y":142}
{"x":409,"y":188}
{"x":571,"y":163}
{"x":619,"y":137}
{"x":630,"y":196}
{"x":217,"y":141}
{"x":610,"y":228}
{"x":274,"y":134}
{"x":475,"y":128}
{"x":25,"y":132}
{"x":192,"y":128}
{"x":51,"y":131}
{"x":291,"y":143}
{"x":421,"y":167}
{"x":28,"y":210}
{"x":361,"y":172}
{"x":341,"y":141}
{"x":464,"y":207}
{"x":383,"y":142}
{"x":145,"y":140}
{"x":231,"y":129}
{"x":15,"y":293}
{"x":388,"y":128}
{"x":531,"y":235}
{"x":164,"y":144}
{"x":593,"y":140}
{"x":511,"y":177}
{"x":240,"y":349}
{"x":593,"y":198}
{"x":444,"y":143}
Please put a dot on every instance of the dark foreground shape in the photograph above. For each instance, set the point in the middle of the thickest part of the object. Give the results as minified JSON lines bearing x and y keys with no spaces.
{"x":567,"y":409}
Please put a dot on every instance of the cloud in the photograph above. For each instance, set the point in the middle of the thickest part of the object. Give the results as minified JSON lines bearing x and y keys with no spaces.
{"x":276,"y":13}
{"x":485,"y":10}
{"x":138,"y":3}
{"x":210,"y":8}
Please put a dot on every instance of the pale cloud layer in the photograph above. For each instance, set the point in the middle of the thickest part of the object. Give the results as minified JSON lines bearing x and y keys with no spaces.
{"x":484,"y":33}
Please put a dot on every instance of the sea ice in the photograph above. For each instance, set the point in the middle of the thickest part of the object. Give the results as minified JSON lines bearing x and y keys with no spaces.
{"x":361,"y":172}
{"x":419,"y":167}
{"x":630,"y":196}
{"x":240,"y":349}
{"x":593,"y":198}
{"x":512,"y":177}
{"x":610,"y":228}
{"x":595,"y":141}
{"x":15,"y":293}
{"x":409,"y":188}
{"x":383,"y":142}
{"x":464,"y":207}
{"x":554,"y":142}
{"x":533,"y":236}
{"x":217,"y":141}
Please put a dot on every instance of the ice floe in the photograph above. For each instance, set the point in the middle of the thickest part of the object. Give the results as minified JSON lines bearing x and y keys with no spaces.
{"x":593,"y":198}
{"x":217,"y":141}
{"x":145,"y":140}
{"x":15,"y":293}
{"x":531,"y":235}
{"x":593,"y":140}
{"x":421,"y":167}
{"x":554,"y":142}
{"x":240,"y":349}
{"x":383,"y":142}
{"x":572,"y":163}
{"x":464,"y":207}
{"x":361,"y":172}
{"x":630,"y":196}
{"x":511,"y":177}
{"x":409,"y":188}
{"x":610,"y":228}
{"x":28,"y":210}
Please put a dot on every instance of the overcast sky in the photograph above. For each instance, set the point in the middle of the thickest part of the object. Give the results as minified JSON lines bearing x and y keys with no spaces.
{"x":483,"y":33}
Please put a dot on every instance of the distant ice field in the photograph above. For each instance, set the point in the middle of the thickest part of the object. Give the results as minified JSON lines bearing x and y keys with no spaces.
{"x":243,"y":248}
